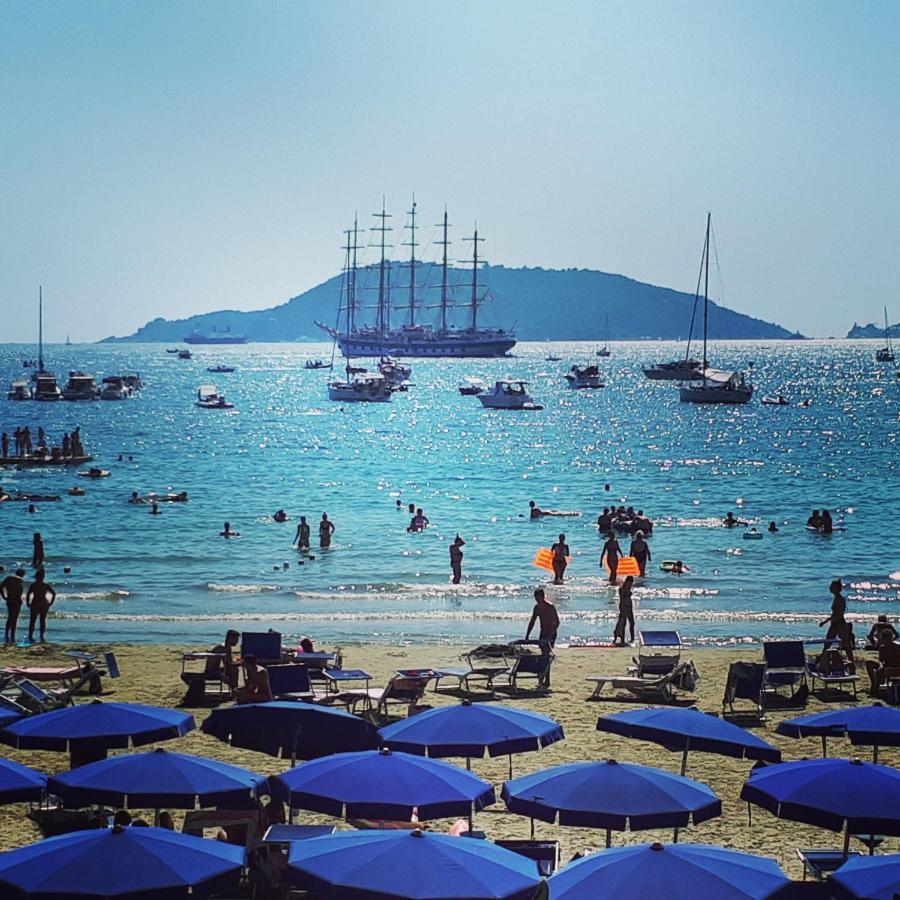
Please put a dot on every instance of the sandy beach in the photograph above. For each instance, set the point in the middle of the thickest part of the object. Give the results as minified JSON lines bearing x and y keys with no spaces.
{"x":150,"y":675}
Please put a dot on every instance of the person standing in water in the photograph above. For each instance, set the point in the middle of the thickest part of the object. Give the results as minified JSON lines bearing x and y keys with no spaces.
{"x":560,"y":551}
{"x":611,"y":552}
{"x":640,"y":550}
{"x":39,"y":599}
{"x":12,"y":590}
{"x":326,"y":530}
{"x":37,"y":555}
{"x":626,"y":612}
{"x":301,"y":538}
{"x":456,"y":558}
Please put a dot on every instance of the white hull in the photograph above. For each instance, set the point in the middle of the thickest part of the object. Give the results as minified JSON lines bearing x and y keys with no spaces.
{"x":716,"y":394}
{"x":347,"y":393}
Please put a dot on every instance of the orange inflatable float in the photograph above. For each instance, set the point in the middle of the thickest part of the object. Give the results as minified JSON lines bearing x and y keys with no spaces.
{"x":543,"y":559}
{"x":628,"y":565}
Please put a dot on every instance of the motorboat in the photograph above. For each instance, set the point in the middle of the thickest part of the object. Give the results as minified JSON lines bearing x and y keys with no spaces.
{"x":472,"y":387}
{"x":80,"y":386}
{"x":394,"y":373}
{"x":184,"y":354}
{"x":113,"y":387}
{"x":580,"y":377}
{"x":316,"y":364}
{"x":20,"y":389}
{"x":172,"y":350}
{"x":552,"y":358}
{"x":677,"y":370}
{"x":209,"y":398}
{"x":776,"y":400}
{"x":717,"y":386}
{"x":133,"y":380}
{"x":365,"y":387}
{"x":508,"y":393}
{"x":45,"y":387}
{"x":221,"y":369}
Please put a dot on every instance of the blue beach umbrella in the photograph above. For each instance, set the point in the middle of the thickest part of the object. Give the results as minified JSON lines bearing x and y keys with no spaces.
{"x":118,"y":863}
{"x":673,"y":871}
{"x":611,"y":795}
{"x":385,"y":865}
{"x":8,"y":716}
{"x":19,"y":784}
{"x":291,"y":730}
{"x":687,"y":729}
{"x":868,"y":877}
{"x":471,"y":730}
{"x":382,"y":784}
{"x":159,"y":779}
{"x":858,"y":797}
{"x":89,"y":730}
{"x":872,"y":726}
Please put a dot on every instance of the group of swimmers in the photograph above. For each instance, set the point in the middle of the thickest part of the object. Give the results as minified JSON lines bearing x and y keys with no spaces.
{"x":621,"y":518}
{"x":821,"y":523}
{"x":39,"y":597}
{"x":302,"y":537}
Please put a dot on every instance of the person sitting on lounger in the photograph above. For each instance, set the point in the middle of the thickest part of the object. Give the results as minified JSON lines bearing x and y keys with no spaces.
{"x":888,"y":658}
{"x":226,"y":665}
{"x":256,"y":687}
{"x":880,"y":627}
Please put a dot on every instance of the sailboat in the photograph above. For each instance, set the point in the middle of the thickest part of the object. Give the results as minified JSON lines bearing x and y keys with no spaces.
{"x":716,"y":386}
{"x":604,"y":351}
{"x":358,"y":386}
{"x":46,"y":387}
{"x":885,"y":354}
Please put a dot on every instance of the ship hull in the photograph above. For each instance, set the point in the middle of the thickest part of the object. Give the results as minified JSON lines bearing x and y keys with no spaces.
{"x":453,"y":346}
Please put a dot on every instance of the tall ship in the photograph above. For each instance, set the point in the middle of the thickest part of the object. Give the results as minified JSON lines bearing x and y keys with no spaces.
{"x":416,"y":335}
{"x":217,"y":337}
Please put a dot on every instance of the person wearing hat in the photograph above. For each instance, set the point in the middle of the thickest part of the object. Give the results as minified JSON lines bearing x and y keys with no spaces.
{"x":456,"y":558}
{"x":12,"y":590}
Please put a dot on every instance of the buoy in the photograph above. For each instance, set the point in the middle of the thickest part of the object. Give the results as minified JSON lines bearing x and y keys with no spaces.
{"x":67,"y":570}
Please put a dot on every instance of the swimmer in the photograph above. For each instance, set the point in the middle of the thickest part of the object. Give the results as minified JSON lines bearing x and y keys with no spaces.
{"x":137,"y":498}
{"x":154,"y":509}
{"x":228,"y":533}
{"x":814,"y":521}
{"x":536,"y":512}
{"x":560,"y":551}
{"x":280,"y":516}
{"x":730,"y":521}
{"x":419,"y":521}
{"x":301,"y":538}
{"x":772,"y":527}
{"x":456,"y":558}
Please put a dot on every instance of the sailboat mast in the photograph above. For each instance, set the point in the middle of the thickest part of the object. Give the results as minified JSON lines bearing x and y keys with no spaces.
{"x":382,"y":299}
{"x":345,"y":291}
{"x":41,"y":328}
{"x":887,"y":332}
{"x":444,"y":243}
{"x":473,"y":303}
{"x":706,"y":293}
{"x":411,"y":243}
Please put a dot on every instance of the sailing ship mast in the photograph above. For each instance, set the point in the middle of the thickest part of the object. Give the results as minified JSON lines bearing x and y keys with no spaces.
{"x":473,"y":303}
{"x":444,"y":244}
{"x":40,"y":328}
{"x":706,"y":293}
{"x":383,"y":322}
{"x":351,"y":280}
{"x":411,"y":265}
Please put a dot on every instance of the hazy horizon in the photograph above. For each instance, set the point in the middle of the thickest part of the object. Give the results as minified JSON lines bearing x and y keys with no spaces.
{"x":170,"y":159}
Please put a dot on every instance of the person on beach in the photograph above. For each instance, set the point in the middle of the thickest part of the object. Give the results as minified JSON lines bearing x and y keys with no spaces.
{"x":611,"y":552}
{"x":225,"y":663}
{"x":301,"y":538}
{"x":640,"y":550}
{"x":226,"y":532}
{"x":39,"y":599}
{"x":12,"y":590}
{"x":256,"y":687}
{"x":560,"y":551}
{"x":881,"y":626}
{"x":626,"y":612}
{"x":545,"y":613}
{"x":37,"y":555}
{"x":456,"y":558}
{"x":837,"y":622}
{"x":888,"y":658}
{"x":326,"y":530}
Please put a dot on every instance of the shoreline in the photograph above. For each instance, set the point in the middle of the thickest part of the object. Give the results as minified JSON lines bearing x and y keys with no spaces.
{"x":150,"y":675}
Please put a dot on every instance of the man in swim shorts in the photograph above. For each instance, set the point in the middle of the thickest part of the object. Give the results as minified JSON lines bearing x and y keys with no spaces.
{"x":12,"y":590}
{"x":326,"y":530}
{"x":545,"y":613}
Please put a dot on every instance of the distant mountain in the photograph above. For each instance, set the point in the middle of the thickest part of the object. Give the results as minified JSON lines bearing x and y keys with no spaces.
{"x":871,"y":330}
{"x":541,"y":304}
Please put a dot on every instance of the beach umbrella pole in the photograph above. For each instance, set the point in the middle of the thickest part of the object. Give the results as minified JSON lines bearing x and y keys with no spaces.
{"x":684,"y":756}
{"x":875,"y":753}
{"x":675,"y":837}
{"x":824,"y":746}
{"x":846,"y":838}
{"x":608,"y":838}
{"x":532,"y":829}
{"x":510,"y":765}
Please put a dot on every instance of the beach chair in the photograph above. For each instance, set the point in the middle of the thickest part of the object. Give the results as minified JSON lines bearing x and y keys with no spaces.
{"x":290,"y":682}
{"x":745,"y":681}
{"x":84,"y":671}
{"x":264,"y":645}
{"x":531,"y":665}
{"x":212,"y":672}
{"x":485,"y":663}
{"x":401,"y":691}
{"x":785,"y":663}
{"x":832,"y":670}
{"x":659,"y":652}
{"x":659,"y":689}
{"x":544,"y":853}
{"x":821,"y":863}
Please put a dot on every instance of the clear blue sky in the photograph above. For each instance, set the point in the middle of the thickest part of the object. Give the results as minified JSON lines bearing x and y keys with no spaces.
{"x":166,"y":158}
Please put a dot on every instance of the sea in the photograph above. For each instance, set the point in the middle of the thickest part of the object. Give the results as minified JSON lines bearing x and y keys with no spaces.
{"x":172,"y":577}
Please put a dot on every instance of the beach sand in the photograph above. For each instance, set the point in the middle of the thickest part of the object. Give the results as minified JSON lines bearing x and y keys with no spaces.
{"x":150,"y":675}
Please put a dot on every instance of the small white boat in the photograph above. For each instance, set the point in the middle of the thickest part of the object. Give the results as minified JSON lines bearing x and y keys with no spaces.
{"x":552,"y":358}
{"x":472,"y":387}
{"x":395,"y":374}
{"x":581,"y":377}
{"x":113,"y":387}
{"x":363,"y":387}
{"x":80,"y":387}
{"x":508,"y":393}
{"x":718,"y":387}
{"x":209,"y":398}
{"x":133,"y":380}
{"x":776,"y":400}
{"x":19,"y":389}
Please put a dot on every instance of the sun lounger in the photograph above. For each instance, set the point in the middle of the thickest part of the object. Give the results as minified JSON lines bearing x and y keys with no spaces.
{"x":483,"y":664}
{"x":544,"y":853}
{"x":211,"y":673}
{"x":290,"y":682}
{"x":744,"y":682}
{"x":661,"y":689}
{"x":406,"y":692}
{"x":659,"y":652}
{"x":785,"y":665}
{"x":821,"y":863}
{"x":85,"y":670}
{"x":531,"y":665}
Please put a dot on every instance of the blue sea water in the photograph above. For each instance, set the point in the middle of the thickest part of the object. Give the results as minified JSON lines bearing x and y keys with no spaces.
{"x":171,"y":578}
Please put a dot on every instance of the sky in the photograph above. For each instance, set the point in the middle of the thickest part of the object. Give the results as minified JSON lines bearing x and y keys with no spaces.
{"x":170,"y":158}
